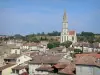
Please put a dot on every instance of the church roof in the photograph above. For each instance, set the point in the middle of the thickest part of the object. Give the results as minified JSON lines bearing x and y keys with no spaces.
{"x":71,"y":32}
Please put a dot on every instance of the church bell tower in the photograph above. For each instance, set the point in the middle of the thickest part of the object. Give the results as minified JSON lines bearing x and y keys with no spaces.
{"x":64,"y":33}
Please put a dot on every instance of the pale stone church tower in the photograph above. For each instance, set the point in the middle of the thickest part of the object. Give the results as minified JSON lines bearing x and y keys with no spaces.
{"x":67,"y":35}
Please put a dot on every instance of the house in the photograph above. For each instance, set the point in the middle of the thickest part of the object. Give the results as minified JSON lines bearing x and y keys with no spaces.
{"x":87,"y":47}
{"x":88,"y":64}
{"x":6,"y":69}
{"x":57,"y":50}
{"x":43,"y":69}
{"x":9,"y":42}
{"x":14,"y":42}
{"x":40,"y":60}
{"x":15,"y":50}
{"x":19,"y":70}
{"x":44,"y":43}
{"x":66,"y":68}
{"x":30,"y":46}
{"x":16,"y":59}
{"x":11,"y":58}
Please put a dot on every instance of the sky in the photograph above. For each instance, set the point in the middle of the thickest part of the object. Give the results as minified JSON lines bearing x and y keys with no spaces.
{"x":33,"y":16}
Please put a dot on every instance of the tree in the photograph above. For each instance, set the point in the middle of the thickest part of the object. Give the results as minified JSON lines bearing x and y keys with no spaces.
{"x":41,"y":39}
{"x":53,"y":44}
{"x":29,"y":38}
{"x":35,"y":40}
{"x":50,"y":45}
{"x":66,"y":44}
{"x":88,"y":36}
{"x":45,"y":38}
{"x":42,"y":33}
{"x":18,"y":36}
{"x":54,"y":33}
{"x":76,"y":51}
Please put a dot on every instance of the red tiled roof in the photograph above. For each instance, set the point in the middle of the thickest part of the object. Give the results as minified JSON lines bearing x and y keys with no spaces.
{"x":46,"y":59}
{"x":44,"y":67}
{"x":91,"y":54}
{"x":86,"y":60}
{"x":71,"y":32}
{"x":25,"y":73}
{"x":68,"y":69}
{"x":60,"y":65}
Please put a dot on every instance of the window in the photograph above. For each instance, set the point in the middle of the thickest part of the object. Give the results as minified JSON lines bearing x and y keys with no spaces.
{"x":15,"y":51}
{"x":72,"y":38}
{"x":80,"y":69}
{"x":64,"y":38}
{"x":13,"y":71}
{"x":90,"y":71}
{"x":17,"y":71}
{"x":67,"y":38}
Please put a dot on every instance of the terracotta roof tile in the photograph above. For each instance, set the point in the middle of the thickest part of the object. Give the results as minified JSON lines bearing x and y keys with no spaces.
{"x":44,"y":68}
{"x":71,"y":32}
{"x":25,"y":73}
{"x":89,"y":54}
{"x":88,"y":60}
{"x":60,"y":65}
{"x":47,"y":59}
{"x":68,"y":69}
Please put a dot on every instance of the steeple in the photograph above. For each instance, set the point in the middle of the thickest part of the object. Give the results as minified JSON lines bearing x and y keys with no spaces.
{"x":64,"y":16}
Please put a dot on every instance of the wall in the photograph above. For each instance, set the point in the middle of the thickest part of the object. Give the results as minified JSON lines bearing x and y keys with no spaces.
{"x":33,"y":48}
{"x":8,"y":71}
{"x":32,"y":70}
{"x":84,"y":70}
{"x":96,"y":70}
{"x":15,"y":51}
{"x":23,"y":59}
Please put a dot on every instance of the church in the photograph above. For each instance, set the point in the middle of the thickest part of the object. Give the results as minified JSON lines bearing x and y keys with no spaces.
{"x":66,"y":34}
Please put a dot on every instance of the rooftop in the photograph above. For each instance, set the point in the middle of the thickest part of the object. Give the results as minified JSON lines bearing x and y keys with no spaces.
{"x":6,"y":66}
{"x":13,"y":56}
{"x":19,"y":67}
{"x":88,"y":59}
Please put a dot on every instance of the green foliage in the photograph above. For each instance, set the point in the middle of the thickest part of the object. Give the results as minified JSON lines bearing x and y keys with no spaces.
{"x":53,"y":44}
{"x":54,"y":33}
{"x":18,"y":36}
{"x":97,"y":39}
{"x":87,"y":37}
{"x":87,"y":34}
{"x":66,"y":44}
{"x":76,"y":51}
{"x":43,"y":38}
{"x":32,"y":38}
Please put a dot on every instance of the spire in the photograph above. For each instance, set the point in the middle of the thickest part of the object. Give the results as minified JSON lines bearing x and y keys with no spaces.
{"x":65,"y":16}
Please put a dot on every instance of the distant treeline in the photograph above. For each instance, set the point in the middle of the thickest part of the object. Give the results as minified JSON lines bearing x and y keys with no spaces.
{"x":83,"y":36}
